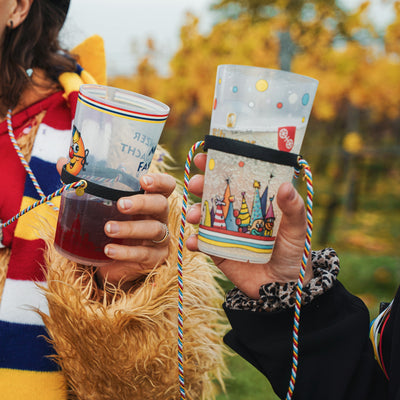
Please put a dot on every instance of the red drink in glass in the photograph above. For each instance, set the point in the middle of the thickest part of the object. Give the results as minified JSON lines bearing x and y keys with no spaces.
{"x":80,"y":232}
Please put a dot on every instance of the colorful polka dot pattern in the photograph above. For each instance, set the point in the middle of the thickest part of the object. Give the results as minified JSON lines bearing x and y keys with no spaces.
{"x":262,"y":85}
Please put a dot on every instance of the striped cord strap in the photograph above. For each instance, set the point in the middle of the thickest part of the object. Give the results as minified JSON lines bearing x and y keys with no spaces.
{"x":22,"y":159}
{"x":299,"y":289}
{"x":180,"y":269}
{"x":79,"y":186}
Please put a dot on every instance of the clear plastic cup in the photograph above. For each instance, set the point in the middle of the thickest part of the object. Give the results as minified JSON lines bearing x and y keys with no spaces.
{"x":264,"y":107}
{"x":114,"y":136}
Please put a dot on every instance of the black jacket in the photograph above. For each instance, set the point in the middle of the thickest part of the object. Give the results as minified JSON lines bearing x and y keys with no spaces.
{"x":336,"y":357}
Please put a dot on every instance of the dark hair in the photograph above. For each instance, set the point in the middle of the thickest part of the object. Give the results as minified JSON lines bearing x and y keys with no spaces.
{"x":33,"y":44}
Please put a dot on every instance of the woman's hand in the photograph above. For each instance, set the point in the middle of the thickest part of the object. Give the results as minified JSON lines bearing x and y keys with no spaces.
{"x":285,"y":262}
{"x":149,"y":224}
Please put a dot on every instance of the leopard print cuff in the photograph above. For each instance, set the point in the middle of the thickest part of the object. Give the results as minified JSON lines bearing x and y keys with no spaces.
{"x":279,"y":296}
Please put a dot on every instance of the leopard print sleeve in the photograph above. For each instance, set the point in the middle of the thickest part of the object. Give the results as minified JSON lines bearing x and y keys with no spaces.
{"x":278,"y":296}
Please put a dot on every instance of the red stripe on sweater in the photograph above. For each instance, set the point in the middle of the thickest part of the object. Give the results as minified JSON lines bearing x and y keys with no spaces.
{"x":55,"y":100}
{"x":60,"y":114}
{"x":12,"y":184}
{"x":22,"y":266}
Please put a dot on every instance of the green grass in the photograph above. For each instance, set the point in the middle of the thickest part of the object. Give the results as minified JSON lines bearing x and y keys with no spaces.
{"x":374,"y":278}
{"x":246,"y":383}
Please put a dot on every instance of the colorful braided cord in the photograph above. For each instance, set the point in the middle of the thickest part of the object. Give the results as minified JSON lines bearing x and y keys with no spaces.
{"x":75,"y":185}
{"x":299,"y":290}
{"x":180,"y":269}
{"x":22,"y":158}
{"x":307,"y":248}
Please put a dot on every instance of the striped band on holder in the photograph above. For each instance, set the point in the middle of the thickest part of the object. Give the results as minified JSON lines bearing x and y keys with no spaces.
{"x":120,"y":112}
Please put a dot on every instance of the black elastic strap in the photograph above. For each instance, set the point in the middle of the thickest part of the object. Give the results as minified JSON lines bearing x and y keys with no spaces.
{"x":249,"y":150}
{"x":97,"y":190}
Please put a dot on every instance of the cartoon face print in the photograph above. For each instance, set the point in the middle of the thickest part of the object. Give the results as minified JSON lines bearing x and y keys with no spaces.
{"x":269,"y":226}
{"x":77,"y":153}
{"x":257,"y":228}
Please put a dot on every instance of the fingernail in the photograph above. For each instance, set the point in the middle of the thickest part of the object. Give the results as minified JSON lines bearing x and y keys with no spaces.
{"x":112,"y":227}
{"x":148,"y":180}
{"x":125,"y":204}
{"x":189,"y":212}
{"x":195,"y":178}
{"x":109,"y":251}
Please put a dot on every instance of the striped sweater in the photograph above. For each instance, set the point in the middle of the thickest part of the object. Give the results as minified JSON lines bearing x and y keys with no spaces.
{"x":24,"y":350}
{"x":107,"y":345}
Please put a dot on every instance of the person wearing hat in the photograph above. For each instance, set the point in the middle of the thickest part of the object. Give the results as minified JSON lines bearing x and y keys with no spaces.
{"x":68,"y":331}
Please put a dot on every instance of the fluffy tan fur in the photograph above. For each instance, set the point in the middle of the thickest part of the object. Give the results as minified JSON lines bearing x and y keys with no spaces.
{"x":124,"y":346}
{"x":116,"y":345}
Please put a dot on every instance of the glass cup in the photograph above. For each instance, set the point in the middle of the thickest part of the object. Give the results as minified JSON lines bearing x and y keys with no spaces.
{"x":268,"y":108}
{"x":114,"y":136}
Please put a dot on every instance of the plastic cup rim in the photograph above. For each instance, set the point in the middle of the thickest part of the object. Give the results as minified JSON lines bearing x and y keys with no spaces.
{"x":274,"y":70}
{"x":152,"y":105}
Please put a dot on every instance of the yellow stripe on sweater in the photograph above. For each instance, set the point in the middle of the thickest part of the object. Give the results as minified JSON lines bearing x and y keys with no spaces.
{"x":32,"y":385}
{"x":30,"y":224}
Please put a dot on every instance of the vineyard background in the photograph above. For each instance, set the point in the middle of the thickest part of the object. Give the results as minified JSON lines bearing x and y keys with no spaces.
{"x":353,"y":137}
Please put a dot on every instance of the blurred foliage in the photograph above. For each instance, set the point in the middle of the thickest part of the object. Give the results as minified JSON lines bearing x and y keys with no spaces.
{"x":353,"y":137}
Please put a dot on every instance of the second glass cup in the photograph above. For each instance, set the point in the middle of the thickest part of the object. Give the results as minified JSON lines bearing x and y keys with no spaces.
{"x":265,"y":107}
{"x":114,"y":136}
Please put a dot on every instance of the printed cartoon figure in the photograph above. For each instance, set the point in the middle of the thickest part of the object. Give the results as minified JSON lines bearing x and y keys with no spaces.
{"x":207,"y":214}
{"x":257,"y":218}
{"x":230,"y":219}
{"x":269,"y":219}
{"x":257,"y":227}
{"x":238,"y":218}
{"x":77,"y":154}
{"x":243,"y":215}
{"x":219,"y":220}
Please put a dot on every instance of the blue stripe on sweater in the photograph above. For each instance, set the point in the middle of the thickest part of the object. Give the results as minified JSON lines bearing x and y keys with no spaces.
{"x":47,"y":176}
{"x":24,"y":347}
